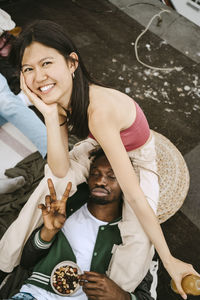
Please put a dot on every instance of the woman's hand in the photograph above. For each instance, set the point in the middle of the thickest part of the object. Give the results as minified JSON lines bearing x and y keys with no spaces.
{"x":178,"y":269}
{"x":53,"y":212}
{"x":45,"y":109}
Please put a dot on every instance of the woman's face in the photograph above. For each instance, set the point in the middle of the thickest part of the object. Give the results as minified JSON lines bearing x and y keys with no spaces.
{"x":48,"y":74}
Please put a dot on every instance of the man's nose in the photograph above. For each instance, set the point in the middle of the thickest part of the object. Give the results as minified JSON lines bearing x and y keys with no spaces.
{"x":102,"y":180}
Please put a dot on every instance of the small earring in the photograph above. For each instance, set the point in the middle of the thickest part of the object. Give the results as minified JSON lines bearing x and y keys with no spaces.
{"x":73,"y":75}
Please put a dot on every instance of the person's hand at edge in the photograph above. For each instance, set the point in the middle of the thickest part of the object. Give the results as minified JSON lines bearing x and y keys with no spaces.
{"x":178,"y":269}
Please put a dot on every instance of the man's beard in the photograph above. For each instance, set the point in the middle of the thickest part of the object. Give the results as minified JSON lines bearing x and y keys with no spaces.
{"x":98,"y":200}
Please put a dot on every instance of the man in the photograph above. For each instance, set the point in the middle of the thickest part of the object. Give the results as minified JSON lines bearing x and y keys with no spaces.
{"x":85,"y":232}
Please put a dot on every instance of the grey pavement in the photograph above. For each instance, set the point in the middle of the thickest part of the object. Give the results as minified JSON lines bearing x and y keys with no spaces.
{"x":178,"y":31}
{"x":184,"y":36}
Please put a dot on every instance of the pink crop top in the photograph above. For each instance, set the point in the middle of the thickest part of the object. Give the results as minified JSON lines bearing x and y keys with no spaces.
{"x":137,"y":134}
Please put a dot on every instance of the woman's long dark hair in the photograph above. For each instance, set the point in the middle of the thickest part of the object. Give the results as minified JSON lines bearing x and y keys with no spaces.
{"x":53,"y":35}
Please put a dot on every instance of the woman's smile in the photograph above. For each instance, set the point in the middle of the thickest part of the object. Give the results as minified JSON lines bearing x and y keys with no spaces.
{"x":46,"y":88}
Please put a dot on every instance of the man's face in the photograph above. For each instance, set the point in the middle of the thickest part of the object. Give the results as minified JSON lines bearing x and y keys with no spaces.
{"x":102,"y":182}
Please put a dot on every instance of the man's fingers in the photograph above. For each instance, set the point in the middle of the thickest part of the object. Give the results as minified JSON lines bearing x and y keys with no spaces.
{"x":51,"y":189}
{"x":92,"y":273}
{"x":91,"y":276}
{"x":90,"y":285}
{"x":53,"y":192}
{"x":46,"y":208}
{"x":43,"y":208}
{"x":48,"y":202}
{"x":67,"y":191}
{"x":59,"y":207}
{"x":59,"y":221}
{"x":93,"y":293}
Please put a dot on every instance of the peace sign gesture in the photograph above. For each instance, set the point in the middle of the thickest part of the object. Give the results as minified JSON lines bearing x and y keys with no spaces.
{"x":53,"y":212}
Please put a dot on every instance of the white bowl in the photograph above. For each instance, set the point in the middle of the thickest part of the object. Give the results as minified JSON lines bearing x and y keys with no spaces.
{"x":63,"y":264}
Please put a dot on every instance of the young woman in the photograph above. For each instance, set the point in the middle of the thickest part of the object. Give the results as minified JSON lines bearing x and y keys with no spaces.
{"x":54,"y":78}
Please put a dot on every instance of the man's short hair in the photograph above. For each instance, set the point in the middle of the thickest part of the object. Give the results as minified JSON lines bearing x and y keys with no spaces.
{"x":95,"y":153}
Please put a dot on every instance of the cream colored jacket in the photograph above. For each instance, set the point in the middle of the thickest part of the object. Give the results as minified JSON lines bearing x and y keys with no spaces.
{"x":130,"y":261}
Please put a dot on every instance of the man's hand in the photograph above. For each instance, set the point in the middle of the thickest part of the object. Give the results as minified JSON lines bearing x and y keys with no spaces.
{"x":53,"y":212}
{"x":100,"y":287}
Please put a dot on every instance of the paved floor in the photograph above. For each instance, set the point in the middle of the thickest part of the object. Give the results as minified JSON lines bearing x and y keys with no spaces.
{"x":171,"y":99}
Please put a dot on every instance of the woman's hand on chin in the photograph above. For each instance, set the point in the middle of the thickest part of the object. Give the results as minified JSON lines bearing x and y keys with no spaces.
{"x":45,"y":109}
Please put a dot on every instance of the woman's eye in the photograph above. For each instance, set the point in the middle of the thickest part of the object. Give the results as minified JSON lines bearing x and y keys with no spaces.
{"x":46,"y":63}
{"x":26,"y":70}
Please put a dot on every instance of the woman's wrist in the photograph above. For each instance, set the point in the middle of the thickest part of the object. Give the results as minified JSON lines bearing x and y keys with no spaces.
{"x":52,"y":120}
{"x":167,"y":260}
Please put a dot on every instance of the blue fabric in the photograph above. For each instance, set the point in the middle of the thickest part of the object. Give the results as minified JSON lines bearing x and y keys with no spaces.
{"x":24,"y":296}
{"x":13,"y":110}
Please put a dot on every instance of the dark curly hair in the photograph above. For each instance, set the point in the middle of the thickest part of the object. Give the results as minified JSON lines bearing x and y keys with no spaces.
{"x":95,"y":153}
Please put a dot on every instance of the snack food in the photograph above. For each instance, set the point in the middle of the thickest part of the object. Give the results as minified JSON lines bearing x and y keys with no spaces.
{"x":65,"y":278}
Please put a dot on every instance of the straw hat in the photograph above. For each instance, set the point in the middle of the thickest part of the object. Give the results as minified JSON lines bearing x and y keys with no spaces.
{"x":6,"y":23}
{"x":174,"y":177}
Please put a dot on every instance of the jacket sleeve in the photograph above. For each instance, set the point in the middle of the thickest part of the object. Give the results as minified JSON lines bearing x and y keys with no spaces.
{"x":142,"y":292}
{"x":34,"y":250}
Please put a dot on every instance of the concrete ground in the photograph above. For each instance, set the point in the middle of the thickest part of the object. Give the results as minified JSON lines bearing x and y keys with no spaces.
{"x":106,"y":32}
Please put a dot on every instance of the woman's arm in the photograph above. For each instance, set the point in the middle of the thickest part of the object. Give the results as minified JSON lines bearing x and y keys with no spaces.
{"x":57,"y":144}
{"x":57,"y":136}
{"x":103,"y":128}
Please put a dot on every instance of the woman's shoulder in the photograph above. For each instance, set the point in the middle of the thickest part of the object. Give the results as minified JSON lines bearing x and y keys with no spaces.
{"x":102,"y":102}
{"x":103,"y":97}
{"x":110,"y":105}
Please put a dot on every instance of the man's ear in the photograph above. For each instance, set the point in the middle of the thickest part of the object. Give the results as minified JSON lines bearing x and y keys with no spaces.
{"x":73,"y":63}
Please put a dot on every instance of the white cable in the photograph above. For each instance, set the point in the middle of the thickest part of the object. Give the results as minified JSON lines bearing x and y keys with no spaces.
{"x":142,"y":33}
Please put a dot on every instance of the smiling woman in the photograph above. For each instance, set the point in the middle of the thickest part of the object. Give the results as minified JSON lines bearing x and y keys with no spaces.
{"x":48,"y":74}
{"x":56,"y":81}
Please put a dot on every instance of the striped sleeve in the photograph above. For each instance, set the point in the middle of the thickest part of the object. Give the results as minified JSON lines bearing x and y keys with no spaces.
{"x":132,"y":297}
{"x":39,"y":243}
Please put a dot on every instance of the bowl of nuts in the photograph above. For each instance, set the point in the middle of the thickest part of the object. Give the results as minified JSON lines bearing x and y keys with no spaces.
{"x":65,"y":278}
